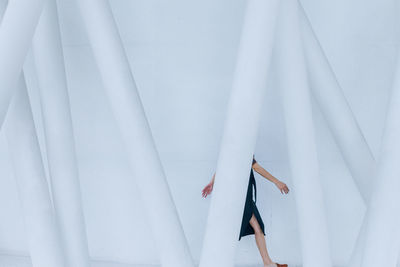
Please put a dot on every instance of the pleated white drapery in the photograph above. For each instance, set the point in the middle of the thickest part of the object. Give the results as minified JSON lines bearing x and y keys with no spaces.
{"x":340,"y":118}
{"x":382,"y":240}
{"x":379,"y":240}
{"x":136,"y":134}
{"x":337,"y":112}
{"x":16,"y":31}
{"x":59,"y":140}
{"x":300,"y":134}
{"x":357,"y":253}
{"x":43,"y":237}
{"x":240,"y":134}
{"x":17,"y":28}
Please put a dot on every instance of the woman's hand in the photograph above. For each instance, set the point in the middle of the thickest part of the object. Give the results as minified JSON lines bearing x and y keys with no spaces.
{"x":282,"y":187}
{"x":208,"y":189}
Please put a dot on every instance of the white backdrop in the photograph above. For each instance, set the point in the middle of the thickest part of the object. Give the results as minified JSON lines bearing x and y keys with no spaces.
{"x":182,"y":54}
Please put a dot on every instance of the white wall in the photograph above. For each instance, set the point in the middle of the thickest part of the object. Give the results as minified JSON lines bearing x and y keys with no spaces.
{"x":182,"y":54}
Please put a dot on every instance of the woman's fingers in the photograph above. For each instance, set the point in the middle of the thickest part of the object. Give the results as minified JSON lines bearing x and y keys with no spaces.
{"x":206,"y":191}
{"x":203,"y":193}
{"x":286,"y":189}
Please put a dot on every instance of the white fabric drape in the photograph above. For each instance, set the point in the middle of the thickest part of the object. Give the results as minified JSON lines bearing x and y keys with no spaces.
{"x":337,"y":112}
{"x":136,"y":134}
{"x":382,"y":240}
{"x":340,"y":118}
{"x":16,"y":32}
{"x":59,"y":140}
{"x":300,"y":134}
{"x":43,"y":237}
{"x":240,"y":133}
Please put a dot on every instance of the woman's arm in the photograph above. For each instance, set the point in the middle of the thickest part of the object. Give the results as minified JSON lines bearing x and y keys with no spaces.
{"x":264,"y":173}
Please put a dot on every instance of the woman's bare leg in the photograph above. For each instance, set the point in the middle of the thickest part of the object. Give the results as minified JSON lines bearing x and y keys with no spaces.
{"x":260,"y":240}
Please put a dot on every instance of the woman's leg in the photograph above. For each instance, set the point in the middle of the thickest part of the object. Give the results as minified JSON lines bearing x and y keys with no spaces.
{"x":260,"y":240}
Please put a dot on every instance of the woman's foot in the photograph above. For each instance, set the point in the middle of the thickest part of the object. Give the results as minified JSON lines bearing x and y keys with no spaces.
{"x":281,"y":265}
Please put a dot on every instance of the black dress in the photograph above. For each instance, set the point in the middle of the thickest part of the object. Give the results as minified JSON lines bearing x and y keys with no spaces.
{"x":250,"y":208}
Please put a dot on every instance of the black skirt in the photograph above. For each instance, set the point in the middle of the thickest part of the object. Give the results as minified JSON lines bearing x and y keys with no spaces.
{"x":250,"y":208}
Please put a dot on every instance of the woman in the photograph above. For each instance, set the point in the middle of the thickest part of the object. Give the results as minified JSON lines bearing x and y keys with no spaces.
{"x":252,"y":222}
